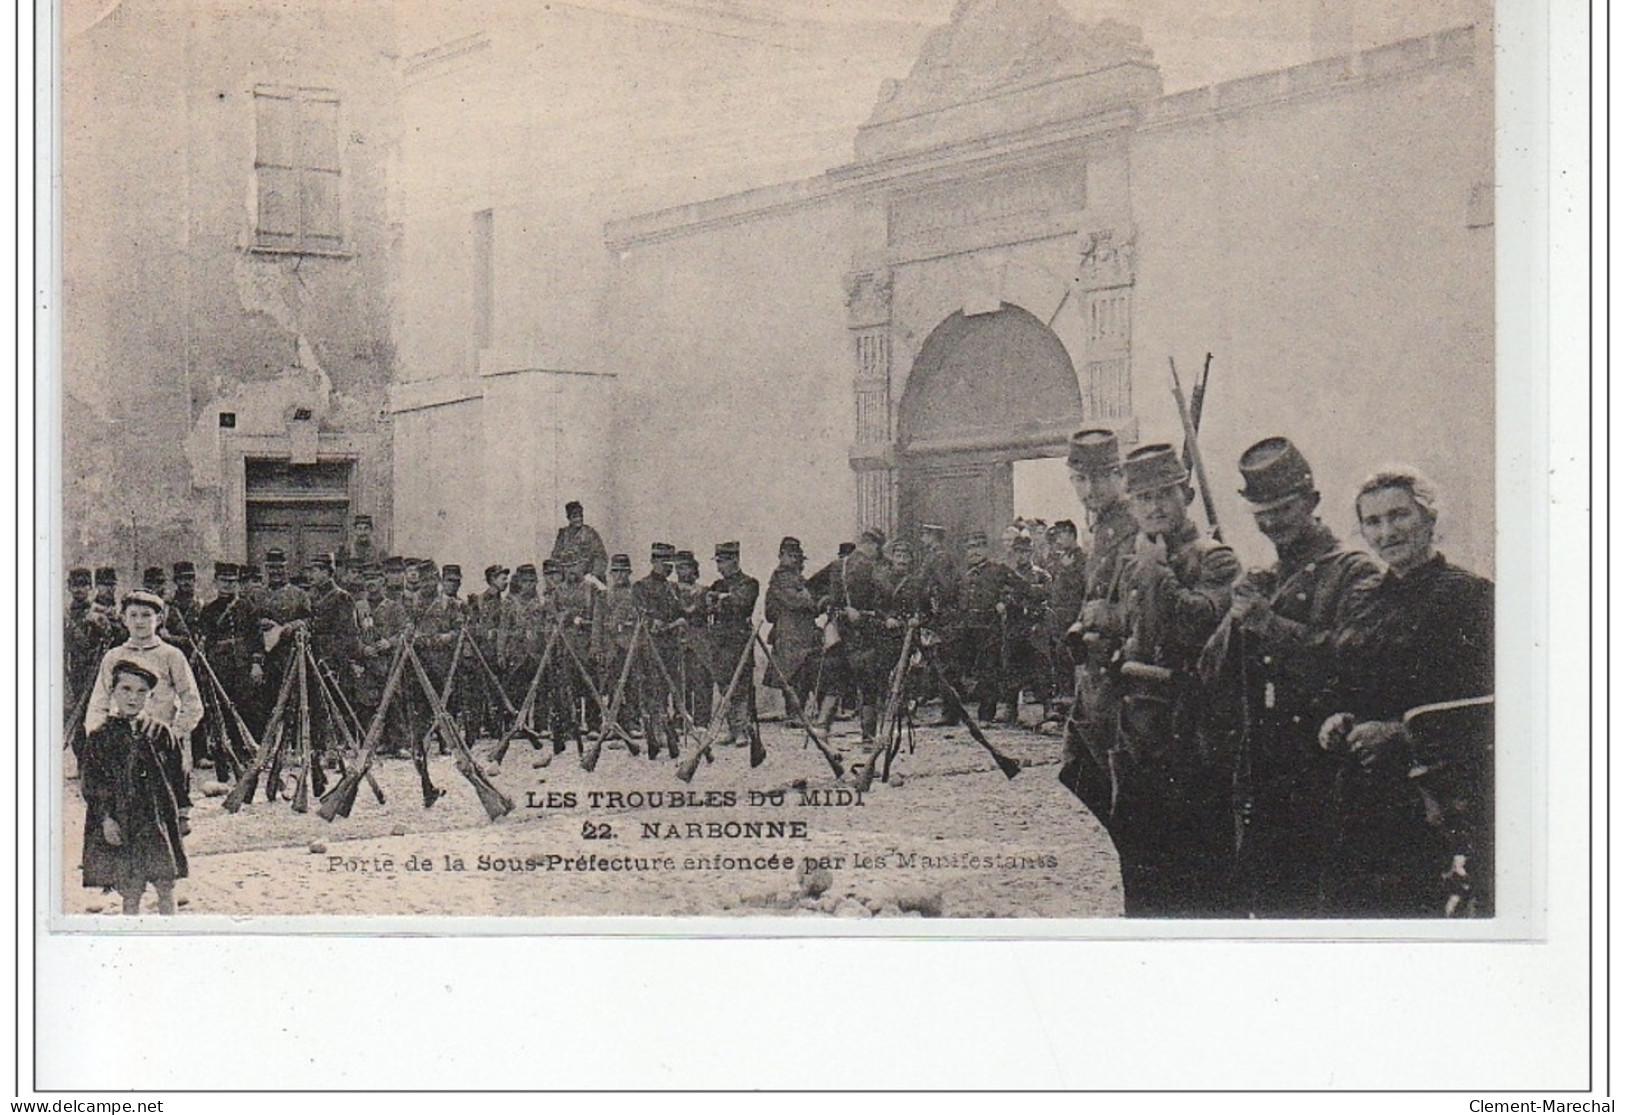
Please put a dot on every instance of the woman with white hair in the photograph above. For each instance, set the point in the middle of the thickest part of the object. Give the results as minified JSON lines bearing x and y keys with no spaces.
{"x":1413,"y":805}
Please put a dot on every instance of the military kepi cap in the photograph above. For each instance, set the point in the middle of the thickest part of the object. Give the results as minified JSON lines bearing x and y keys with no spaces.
{"x":573,"y":507}
{"x":152,"y":575}
{"x":976,"y":538}
{"x":324,"y":561}
{"x":106,"y":575}
{"x":1274,"y":472}
{"x":662,"y":551}
{"x":184,"y":569}
{"x":685,"y":557}
{"x":549,"y":565}
{"x":394,"y":565}
{"x":525,"y":570}
{"x":362,"y":520}
{"x":1152,"y":468}
{"x":622,"y":562}
{"x":276,"y":557}
{"x":79,"y":576}
{"x":1093,"y":451}
{"x":789,"y":545}
{"x":492,"y":572}
{"x":728,"y":550}
{"x":873,"y":534}
{"x":933,"y":528}
{"x":227,"y":570}
{"x":452,"y":572}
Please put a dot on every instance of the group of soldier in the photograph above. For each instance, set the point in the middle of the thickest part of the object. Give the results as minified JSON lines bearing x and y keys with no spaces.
{"x":1244,"y":739}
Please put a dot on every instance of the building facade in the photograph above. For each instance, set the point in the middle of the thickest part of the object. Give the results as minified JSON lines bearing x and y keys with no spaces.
{"x":226,"y":261}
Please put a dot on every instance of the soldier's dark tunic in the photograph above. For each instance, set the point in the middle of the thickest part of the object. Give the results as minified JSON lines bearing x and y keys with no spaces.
{"x":570,"y":607}
{"x":88,"y":636}
{"x":731,"y":638}
{"x":1429,"y":638}
{"x":982,"y":636}
{"x":854,"y":664}
{"x":795,"y":638}
{"x":228,"y":631}
{"x":389,"y":624}
{"x":1027,"y":620}
{"x":1288,"y":673}
{"x":1069,"y":583}
{"x":521,"y":637}
{"x":1095,"y":655}
{"x":697,"y":666}
{"x":335,"y":643}
{"x":613,"y":639}
{"x":1171,"y":817}
{"x":581,"y":545}
{"x":125,"y":775}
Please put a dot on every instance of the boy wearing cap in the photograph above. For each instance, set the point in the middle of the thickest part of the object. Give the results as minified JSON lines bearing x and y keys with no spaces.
{"x":1169,"y":809}
{"x":1278,"y":652}
{"x":172,"y":701}
{"x":133,"y":806}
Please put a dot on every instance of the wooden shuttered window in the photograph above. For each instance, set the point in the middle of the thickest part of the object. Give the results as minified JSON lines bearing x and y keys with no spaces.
{"x":297,"y":174}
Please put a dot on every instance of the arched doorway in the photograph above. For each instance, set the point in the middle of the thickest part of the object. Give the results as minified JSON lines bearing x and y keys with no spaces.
{"x":986,"y":390}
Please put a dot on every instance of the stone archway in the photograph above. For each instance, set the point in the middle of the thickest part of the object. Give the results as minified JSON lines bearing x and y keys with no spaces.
{"x":985,"y":391}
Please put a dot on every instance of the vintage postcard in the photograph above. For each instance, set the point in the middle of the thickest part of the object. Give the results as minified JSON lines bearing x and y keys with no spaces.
{"x":1000,"y":467}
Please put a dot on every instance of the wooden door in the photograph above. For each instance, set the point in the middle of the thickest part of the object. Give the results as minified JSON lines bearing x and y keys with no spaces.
{"x":298,"y":528}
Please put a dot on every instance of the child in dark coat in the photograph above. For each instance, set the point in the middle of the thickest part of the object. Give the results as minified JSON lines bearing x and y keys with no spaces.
{"x":132,"y":816}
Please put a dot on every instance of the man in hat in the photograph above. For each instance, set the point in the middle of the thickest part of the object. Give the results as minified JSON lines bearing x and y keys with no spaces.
{"x":657,"y":602}
{"x":939,"y":570}
{"x":87,"y":637}
{"x":1278,"y":653}
{"x":184,"y":601}
{"x":612,"y":636}
{"x":990,"y":596}
{"x":173,"y":628}
{"x":1095,"y":467}
{"x":1068,"y":567}
{"x":853,"y":596}
{"x":569,"y":609}
{"x":335,"y":643}
{"x":287,"y":601}
{"x":440,"y":619}
{"x":484,"y":617}
{"x":1168,"y":809}
{"x":578,"y":542}
{"x":228,"y":633}
{"x":106,"y":601}
{"x":730,"y":607}
{"x":522,"y":632}
{"x":796,"y":641}
{"x":255,"y":593}
{"x":1025,"y":621}
{"x":388,"y":622}
{"x":695,"y":668}
{"x":361,"y":549}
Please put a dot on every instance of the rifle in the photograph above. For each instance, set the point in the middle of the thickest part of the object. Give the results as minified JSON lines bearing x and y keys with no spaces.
{"x":522,"y":718}
{"x":612,"y":716}
{"x":270,"y":746}
{"x":451,"y":677}
{"x":304,"y":745}
{"x":346,"y":717}
{"x":338,"y":801}
{"x":496,"y":803}
{"x":1009,"y":766}
{"x":76,"y":715}
{"x":589,"y":757}
{"x":1194,"y":451}
{"x":678,"y":699}
{"x":686,"y":769}
{"x":830,"y":757}
{"x":222,"y":702}
{"x":863,"y":772}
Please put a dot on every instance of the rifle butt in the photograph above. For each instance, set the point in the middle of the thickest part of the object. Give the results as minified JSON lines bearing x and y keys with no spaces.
{"x":758,"y":750}
{"x":589,"y":757}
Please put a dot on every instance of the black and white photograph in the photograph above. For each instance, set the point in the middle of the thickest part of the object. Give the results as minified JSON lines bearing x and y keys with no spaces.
{"x":994,"y":460}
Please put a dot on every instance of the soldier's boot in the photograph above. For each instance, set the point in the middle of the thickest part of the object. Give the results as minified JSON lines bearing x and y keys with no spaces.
{"x":828,"y":707}
{"x":869,"y":719}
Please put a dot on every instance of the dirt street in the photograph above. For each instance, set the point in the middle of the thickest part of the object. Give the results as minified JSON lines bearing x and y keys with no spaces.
{"x":953,"y":838}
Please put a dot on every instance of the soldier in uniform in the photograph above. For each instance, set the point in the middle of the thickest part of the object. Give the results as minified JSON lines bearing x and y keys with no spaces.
{"x":1272,"y":671}
{"x":484,"y":617}
{"x":335,"y":643}
{"x":228,"y":632}
{"x":439,"y":622}
{"x":389,"y":623}
{"x":1068,"y":567}
{"x":1025,"y":621}
{"x":521,"y":634}
{"x":1096,"y":471}
{"x":88,"y":637}
{"x":657,"y":603}
{"x":184,"y":602}
{"x":251,"y":583}
{"x":613,"y":637}
{"x":286,"y":601}
{"x":796,"y":641}
{"x":694,"y":674}
{"x":988,"y":592}
{"x":941,"y":576}
{"x":361,"y":550}
{"x":1169,"y":811}
{"x":570,"y":607}
{"x":730,"y":606}
{"x":578,"y":542}
{"x":107,"y":589}
{"x":851,"y":591}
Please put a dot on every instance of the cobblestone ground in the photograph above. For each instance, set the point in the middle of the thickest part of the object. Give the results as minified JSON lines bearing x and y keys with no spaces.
{"x":950,"y":837}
